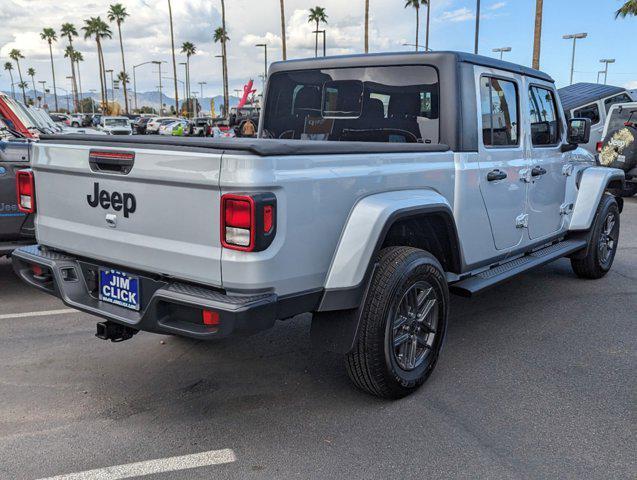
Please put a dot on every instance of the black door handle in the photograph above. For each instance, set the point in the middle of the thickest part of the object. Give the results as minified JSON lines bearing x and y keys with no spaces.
{"x":537,"y":171}
{"x":494,"y":175}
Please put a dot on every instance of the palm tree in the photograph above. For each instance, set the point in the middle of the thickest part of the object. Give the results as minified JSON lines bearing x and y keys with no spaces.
{"x":172,"y":45}
{"x":96,"y":28}
{"x":629,"y":9}
{"x":123,"y":79}
{"x":537,"y":38}
{"x":69,"y":31}
{"x":416,"y":5}
{"x":189,"y":49}
{"x":24,"y":85}
{"x":8,"y":66}
{"x":283,"y":40}
{"x":366,"y":26}
{"x":50,"y":36}
{"x":318,"y":15}
{"x":16,"y":55}
{"x":117,"y":13}
{"x":77,"y":58}
{"x":31,"y":73}
{"x":220,"y":35}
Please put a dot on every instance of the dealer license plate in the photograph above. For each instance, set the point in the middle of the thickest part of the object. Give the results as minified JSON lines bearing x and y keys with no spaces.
{"x":120,"y":289}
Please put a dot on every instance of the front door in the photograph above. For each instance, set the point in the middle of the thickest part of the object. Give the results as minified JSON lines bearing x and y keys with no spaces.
{"x":502,"y":157}
{"x":547,"y":187}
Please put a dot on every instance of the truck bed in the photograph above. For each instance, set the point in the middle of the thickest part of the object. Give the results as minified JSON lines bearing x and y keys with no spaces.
{"x":257,"y":146}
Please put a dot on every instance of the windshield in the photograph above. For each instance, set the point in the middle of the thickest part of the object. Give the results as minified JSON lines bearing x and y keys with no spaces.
{"x":370,"y":104}
{"x":116,"y":122}
{"x":620,"y":116}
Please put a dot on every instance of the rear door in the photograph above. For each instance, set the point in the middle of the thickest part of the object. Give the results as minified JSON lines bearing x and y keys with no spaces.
{"x":153,"y":210}
{"x":14,"y":225}
{"x":503,"y":161}
{"x":547,"y":189}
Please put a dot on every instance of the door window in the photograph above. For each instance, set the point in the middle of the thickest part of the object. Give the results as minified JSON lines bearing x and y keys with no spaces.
{"x":589,"y":111}
{"x":499,"y":100}
{"x":545,"y":124}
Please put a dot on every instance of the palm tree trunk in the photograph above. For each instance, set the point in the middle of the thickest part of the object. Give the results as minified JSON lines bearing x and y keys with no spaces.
{"x":226,"y":97}
{"x":99,"y":61}
{"x":172,"y":42}
{"x":79,"y":81}
{"x":12,"y":87}
{"x":105,"y":80}
{"x":55,"y":92}
{"x":24,"y":95}
{"x":121,"y":47}
{"x":283,"y":40}
{"x":316,"y":40}
{"x":188,"y":96}
{"x":366,"y":26}
{"x":427,"y":34}
{"x":417,"y":26}
{"x":537,"y":39}
{"x":35,"y":93}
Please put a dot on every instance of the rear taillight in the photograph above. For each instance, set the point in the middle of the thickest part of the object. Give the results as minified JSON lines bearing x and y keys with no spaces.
{"x":25,"y":189}
{"x":599,"y":147}
{"x":248,"y":222}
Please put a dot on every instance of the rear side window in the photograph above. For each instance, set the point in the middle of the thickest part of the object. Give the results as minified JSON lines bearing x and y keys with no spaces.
{"x":370,"y":104}
{"x":545,"y":125}
{"x":619,"y":116}
{"x":621,"y":98}
{"x":589,"y":111}
{"x":499,"y":100}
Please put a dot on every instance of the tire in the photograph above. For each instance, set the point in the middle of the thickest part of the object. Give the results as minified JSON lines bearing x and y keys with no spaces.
{"x":375,"y":365}
{"x":602,"y":245}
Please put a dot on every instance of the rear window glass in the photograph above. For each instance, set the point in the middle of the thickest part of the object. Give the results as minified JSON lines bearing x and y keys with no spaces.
{"x":589,"y":111}
{"x":619,"y":116}
{"x":371,"y":104}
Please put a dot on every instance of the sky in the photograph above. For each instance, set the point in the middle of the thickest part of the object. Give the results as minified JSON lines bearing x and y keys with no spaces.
{"x":504,"y":23}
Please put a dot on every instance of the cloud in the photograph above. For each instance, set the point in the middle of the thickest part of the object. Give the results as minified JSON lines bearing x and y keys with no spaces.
{"x":497,"y":6}
{"x":631,"y":85}
{"x":459,"y":15}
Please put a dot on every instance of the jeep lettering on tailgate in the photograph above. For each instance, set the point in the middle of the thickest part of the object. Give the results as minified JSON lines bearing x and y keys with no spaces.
{"x":117,"y":201}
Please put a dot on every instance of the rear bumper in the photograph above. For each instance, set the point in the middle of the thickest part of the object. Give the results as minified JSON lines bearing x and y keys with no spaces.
{"x":167,"y":306}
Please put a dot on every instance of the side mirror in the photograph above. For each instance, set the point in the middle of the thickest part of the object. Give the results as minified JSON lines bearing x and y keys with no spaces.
{"x":579,"y":131}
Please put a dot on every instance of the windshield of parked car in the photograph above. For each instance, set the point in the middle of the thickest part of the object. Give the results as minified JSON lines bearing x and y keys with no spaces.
{"x":371,"y":104}
{"x":116,"y":122}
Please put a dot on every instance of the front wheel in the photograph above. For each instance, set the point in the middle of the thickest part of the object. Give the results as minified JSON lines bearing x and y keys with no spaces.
{"x":602,"y":245}
{"x":403,"y":324}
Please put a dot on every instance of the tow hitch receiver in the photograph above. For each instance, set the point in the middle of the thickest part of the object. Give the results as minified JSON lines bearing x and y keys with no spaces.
{"x":114,"y":332}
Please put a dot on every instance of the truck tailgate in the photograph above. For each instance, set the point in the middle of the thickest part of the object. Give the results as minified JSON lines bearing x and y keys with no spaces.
{"x":161,"y":217}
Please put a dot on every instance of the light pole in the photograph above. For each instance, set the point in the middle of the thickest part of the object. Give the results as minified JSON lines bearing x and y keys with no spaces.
{"x":43,"y":82}
{"x":323,"y":32}
{"x":135,"y":80}
{"x":265,"y":67}
{"x":66,"y":92}
{"x":475,"y":48}
{"x":606,"y":61}
{"x":161,"y":103}
{"x":112,"y":89}
{"x":501,"y":51}
{"x":226,"y":111}
{"x":574,"y":37}
{"x":183,"y":84}
{"x":93,"y":91}
{"x":71,"y":78}
{"x":201,"y":84}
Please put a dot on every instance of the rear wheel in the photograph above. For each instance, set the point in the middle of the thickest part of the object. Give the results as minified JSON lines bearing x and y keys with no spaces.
{"x":603,"y":242}
{"x":403,"y":324}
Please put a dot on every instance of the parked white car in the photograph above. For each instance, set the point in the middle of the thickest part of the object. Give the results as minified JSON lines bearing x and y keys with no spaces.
{"x":152,"y":128}
{"x":170,"y":127}
{"x":115,"y":126}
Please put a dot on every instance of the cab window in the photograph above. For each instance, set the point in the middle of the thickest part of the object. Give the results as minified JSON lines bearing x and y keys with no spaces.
{"x":499,"y":101}
{"x":545,"y":123}
{"x":621,"y":98}
{"x":589,"y":111}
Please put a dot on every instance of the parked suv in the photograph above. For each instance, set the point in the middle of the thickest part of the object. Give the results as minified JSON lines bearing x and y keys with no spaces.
{"x":386,"y":183}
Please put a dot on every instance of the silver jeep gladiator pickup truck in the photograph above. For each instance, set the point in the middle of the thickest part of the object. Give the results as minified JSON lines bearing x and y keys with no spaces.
{"x":378,"y":185}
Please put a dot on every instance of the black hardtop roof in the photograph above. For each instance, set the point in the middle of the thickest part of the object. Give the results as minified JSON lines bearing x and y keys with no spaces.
{"x":396,"y":58}
{"x":580,"y":94}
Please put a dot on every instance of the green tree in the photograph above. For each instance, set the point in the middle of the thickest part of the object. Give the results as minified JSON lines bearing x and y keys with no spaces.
{"x":31,"y":73}
{"x":99,"y":30}
{"x":117,"y":13}
{"x":221,"y":35}
{"x":50,"y":36}
{"x":317,"y":15}
{"x":189,"y":49}
{"x":8,"y":66}
{"x":69,"y":31}
{"x":415,"y":4}
{"x":16,"y":55}
{"x":629,"y":9}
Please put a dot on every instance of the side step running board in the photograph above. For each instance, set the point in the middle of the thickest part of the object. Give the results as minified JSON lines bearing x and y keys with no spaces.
{"x":506,"y":271}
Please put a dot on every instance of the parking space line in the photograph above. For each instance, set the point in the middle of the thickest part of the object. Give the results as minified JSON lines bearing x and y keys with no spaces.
{"x":162,"y":465}
{"x":45,"y":313}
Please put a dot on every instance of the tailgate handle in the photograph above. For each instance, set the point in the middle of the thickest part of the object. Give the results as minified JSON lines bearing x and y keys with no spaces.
{"x":111,"y":162}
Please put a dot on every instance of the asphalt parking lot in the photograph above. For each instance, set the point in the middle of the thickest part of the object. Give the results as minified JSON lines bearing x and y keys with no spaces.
{"x":537,"y":380}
